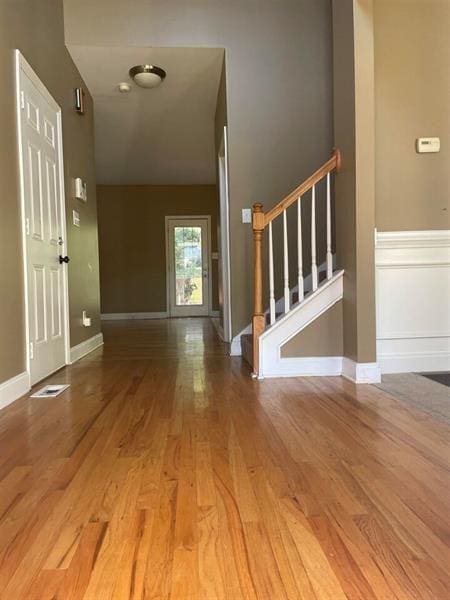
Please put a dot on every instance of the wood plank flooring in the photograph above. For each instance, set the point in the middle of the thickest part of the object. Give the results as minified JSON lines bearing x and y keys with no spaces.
{"x":165,"y":471}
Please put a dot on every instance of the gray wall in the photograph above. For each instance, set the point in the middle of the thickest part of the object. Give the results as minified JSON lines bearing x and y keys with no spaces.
{"x":279,"y":87}
{"x":37,"y":30}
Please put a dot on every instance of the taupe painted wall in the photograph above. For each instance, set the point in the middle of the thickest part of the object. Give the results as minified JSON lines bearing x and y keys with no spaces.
{"x":131,"y":222}
{"x":412,"y":99}
{"x":37,"y":30}
{"x":355,"y":185}
{"x":279,"y":86}
{"x":324,"y":337}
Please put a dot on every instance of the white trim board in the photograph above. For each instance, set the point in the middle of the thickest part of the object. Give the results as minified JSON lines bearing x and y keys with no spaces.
{"x":224,"y":235}
{"x":271,"y":364}
{"x":360,"y":372}
{"x":77,"y":352}
{"x":235,"y":346}
{"x":412,"y":272}
{"x":12,"y":389}
{"x":315,"y":366}
{"x":138,"y":315}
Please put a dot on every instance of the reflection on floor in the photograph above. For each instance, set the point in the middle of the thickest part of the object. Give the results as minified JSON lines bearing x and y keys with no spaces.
{"x":165,"y":471}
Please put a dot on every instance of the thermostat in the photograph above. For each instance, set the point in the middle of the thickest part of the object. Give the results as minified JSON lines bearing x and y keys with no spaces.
{"x":425,"y":145}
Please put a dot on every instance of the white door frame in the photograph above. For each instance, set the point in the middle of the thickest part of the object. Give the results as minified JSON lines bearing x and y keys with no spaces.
{"x":208,"y":242}
{"x":22,"y":66}
{"x":224,"y":215}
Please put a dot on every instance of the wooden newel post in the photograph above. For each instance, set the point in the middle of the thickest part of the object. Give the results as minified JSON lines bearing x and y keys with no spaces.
{"x":258,"y":311}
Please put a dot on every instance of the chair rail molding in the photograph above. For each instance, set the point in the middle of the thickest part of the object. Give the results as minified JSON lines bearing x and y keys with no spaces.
{"x":412,"y":272}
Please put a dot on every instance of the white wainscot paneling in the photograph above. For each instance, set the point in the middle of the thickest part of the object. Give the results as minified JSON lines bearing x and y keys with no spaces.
{"x":413,"y":300}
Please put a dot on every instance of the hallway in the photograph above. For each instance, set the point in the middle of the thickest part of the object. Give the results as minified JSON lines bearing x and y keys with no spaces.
{"x":165,"y":471}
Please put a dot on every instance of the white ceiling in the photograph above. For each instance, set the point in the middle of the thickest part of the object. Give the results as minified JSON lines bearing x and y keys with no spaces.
{"x":160,"y":135}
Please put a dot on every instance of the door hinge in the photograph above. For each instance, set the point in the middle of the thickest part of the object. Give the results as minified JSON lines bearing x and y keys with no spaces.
{"x":27,"y":226}
{"x":31,"y":350}
{"x":22,"y":100}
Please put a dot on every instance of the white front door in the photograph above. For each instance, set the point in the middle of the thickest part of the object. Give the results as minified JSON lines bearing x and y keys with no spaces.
{"x":44,"y":230}
{"x":188,"y":266}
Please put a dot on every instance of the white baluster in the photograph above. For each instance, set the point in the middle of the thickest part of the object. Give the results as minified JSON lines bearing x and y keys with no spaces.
{"x":271,"y":279}
{"x":313,"y":240}
{"x":329,"y":255}
{"x":301,"y":290}
{"x":287,"y":303}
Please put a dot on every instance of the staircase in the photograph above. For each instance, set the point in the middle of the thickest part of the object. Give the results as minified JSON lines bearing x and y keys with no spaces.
{"x":272,"y":329}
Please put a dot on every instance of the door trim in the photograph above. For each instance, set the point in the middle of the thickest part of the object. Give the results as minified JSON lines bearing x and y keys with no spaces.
{"x":224,"y":215}
{"x":22,"y":66}
{"x":208,"y":226}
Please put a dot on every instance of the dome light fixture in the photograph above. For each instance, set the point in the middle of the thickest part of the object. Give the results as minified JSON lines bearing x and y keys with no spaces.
{"x":147,"y":76}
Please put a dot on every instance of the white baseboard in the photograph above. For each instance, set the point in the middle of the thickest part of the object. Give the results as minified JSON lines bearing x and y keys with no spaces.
{"x":139,"y":315}
{"x":320,"y":366}
{"x":77,"y":352}
{"x":14,"y":388}
{"x":360,"y":372}
{"x":414,"y":355}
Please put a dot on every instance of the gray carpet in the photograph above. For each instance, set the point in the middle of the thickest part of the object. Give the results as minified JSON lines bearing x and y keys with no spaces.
{"x":443,"y":378}
{"x":423,"y":393}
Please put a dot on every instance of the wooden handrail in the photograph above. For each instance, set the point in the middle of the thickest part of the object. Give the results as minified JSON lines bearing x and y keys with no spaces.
{"x":333,"y":163}
{"x":259,"y":222}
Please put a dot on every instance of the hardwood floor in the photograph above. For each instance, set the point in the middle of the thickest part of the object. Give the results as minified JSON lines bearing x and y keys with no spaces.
{"x":165,"y":471}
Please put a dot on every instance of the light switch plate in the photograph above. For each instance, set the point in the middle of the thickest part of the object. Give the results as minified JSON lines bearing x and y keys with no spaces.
{"x":80,"y":189}
{"x":246,"y":215}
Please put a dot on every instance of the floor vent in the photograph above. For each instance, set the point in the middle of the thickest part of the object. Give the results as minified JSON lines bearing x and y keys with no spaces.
{"x":49,"y":391}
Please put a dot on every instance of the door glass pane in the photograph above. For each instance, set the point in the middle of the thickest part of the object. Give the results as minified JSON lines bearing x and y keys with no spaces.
{"x":188,"y":266}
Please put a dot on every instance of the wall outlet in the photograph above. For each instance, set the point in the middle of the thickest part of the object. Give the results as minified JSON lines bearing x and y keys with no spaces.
{"x":86,"y":319}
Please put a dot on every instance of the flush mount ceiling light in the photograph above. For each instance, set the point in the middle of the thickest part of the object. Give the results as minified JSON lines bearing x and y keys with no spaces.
{"x":147,"y":76}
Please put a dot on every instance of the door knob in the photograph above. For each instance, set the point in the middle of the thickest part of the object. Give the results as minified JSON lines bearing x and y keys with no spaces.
{"x":63,"y":259}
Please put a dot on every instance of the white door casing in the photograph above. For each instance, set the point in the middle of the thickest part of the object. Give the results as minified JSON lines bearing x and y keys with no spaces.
{"x":43,"y":221}
{"x":179,"y":304}
{"x":224,"y":240}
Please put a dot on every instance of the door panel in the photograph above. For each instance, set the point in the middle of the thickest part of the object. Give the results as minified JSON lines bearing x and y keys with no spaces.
{"x":55,"y":306}
{"x":51,"y":190}
{"x":43,"y":213}
{"x":40,"y":308}
{"x":188,"y":273}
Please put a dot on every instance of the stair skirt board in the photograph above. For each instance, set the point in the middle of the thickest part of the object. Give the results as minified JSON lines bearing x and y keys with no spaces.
{"x":302,"y":315}
{"x":320,"y":366}
{"x":235,"y":346}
